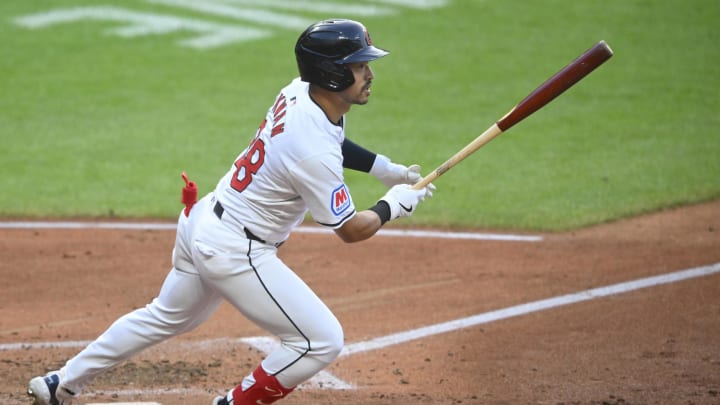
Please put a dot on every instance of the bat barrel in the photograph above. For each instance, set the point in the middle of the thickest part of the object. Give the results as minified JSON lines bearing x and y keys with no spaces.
{"x":557,"y":84}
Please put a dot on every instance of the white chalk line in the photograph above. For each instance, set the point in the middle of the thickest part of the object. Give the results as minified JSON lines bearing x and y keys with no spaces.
{"x":125,"y":403}
{"x":325,"y":380}
{"x":301,"y":229}
{"x":524,"y":309}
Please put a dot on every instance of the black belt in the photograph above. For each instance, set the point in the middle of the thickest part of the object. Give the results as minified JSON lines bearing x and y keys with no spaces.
{"x":218,"y":209}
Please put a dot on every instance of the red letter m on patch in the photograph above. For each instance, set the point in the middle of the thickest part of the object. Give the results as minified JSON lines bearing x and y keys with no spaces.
{"x":340,"y":200}
{"x":341,"y":197}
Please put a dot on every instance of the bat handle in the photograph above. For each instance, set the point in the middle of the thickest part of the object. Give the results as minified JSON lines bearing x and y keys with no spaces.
{"x":478,"y":142}
{"x":426,"y":180}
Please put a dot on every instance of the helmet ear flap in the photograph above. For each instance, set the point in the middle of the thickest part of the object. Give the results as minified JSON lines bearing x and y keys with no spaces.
{"x":325,"y":73}
{"x":336,"y":77}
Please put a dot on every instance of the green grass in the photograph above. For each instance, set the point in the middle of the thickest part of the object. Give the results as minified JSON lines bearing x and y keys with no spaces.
{"x":97,"y":125}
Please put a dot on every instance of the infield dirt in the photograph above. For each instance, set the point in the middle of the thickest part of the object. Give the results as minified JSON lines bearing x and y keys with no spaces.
{"x":658,"y":345}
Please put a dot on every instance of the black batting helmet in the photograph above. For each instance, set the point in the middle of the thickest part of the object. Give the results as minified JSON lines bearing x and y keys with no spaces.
{"x":323,"y":50}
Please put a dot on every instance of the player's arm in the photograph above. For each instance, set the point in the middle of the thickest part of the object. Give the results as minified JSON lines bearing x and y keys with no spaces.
{"x":400,"y":201}
{"x":356,"y":157}
{"x":327,"y":186}
{"x":361,"y":226}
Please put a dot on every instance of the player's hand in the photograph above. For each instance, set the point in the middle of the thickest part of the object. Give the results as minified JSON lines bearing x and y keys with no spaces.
{"x":413,"y":174}
{"x":403,"y":200}
{"x":391,"y":174}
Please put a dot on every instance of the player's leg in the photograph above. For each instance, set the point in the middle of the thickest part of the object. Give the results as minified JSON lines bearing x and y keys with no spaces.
{"x":276,"y":299}
{"x":184,"y":302}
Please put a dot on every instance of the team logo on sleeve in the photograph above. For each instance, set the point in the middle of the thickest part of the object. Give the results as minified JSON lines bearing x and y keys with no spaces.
{"x":340,"y":200}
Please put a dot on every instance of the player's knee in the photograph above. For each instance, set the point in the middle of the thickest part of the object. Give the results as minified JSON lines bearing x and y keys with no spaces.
{"x":333,"y":343}
{"x":327,"y":344}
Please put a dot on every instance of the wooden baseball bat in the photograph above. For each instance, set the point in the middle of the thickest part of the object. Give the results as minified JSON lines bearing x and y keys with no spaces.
{"x":546,"y":92}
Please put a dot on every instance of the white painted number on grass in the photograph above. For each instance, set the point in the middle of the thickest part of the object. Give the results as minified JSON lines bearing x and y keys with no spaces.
{"x":260,"y":18}
{"x":210,"y":34}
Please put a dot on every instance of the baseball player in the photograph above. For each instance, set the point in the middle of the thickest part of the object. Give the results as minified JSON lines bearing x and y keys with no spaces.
{"x":227,"y":242}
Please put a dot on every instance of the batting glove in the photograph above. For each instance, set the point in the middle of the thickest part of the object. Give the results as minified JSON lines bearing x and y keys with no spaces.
{"x":403,"y":200}
{"x":391,"y":174}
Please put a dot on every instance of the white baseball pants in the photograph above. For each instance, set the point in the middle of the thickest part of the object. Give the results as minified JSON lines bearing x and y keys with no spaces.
{"x":211,"y":262}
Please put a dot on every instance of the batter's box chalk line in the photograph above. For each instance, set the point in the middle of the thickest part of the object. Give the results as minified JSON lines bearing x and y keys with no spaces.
{"x":125,"y":403}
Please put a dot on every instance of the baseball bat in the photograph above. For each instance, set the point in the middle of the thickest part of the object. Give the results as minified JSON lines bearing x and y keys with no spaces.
{"x":545,"y":93}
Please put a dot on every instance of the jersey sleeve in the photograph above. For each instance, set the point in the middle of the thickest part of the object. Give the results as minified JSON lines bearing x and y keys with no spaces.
{"x":319,"y":182}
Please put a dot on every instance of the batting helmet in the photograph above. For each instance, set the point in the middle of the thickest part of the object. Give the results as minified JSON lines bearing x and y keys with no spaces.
{"x":323,"y":50}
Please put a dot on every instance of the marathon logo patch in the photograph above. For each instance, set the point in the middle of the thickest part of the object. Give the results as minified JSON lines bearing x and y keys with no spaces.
{"x":340,"y":200}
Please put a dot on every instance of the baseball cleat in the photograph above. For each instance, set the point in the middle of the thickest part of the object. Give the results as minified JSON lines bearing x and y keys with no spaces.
{"x":44,"y":390}
{"x":220,"y":401}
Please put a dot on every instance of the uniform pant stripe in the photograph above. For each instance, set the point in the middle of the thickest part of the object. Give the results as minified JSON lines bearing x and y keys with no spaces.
{"x":307,"y":340}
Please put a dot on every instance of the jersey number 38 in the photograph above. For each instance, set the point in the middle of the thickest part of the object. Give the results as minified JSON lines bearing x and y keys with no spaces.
{"x":248,"y":164}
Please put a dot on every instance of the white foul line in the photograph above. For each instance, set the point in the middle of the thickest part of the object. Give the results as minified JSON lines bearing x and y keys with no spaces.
{"x":155,"y":226}
{"x":523,"y":309}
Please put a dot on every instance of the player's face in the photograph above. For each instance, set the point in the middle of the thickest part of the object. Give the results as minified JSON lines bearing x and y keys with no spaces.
{"x":359,"y":92}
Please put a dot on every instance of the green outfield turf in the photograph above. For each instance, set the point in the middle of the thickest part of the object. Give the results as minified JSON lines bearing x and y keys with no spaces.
{"x":98,"y":124}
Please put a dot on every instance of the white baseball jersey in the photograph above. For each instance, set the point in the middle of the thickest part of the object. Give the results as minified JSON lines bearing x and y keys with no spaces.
{"x":293,"y":165}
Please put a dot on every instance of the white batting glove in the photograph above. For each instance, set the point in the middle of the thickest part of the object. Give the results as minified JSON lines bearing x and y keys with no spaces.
{"x":403,"y":200}
{"x":391,"y":174}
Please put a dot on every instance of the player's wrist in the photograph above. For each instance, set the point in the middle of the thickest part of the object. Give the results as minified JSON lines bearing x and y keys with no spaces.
{"x":382,"y":209}
{"x":380,"y":166}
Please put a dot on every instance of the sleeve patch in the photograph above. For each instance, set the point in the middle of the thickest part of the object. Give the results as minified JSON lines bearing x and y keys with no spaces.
{"x":340,"y":200}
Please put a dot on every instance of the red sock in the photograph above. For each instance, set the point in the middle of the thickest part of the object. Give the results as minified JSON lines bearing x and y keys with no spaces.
{"x":266,"y":390}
